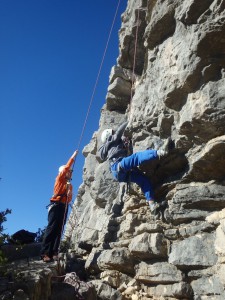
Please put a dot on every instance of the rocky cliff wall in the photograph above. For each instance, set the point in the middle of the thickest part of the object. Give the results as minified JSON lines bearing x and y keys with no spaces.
{"x":178,"y":92}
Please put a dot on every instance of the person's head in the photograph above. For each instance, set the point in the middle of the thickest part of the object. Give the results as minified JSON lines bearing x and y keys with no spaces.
{"x":69,"y":173}
{"x":61,"y":168}
{"x":105,"y":134}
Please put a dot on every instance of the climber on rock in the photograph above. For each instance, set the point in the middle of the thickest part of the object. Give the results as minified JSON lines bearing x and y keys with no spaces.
{"x":124,"y":167}
{"x":57,"y":211}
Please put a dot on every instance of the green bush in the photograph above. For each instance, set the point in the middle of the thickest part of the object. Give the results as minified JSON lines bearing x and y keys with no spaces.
{"x":3,"y":237}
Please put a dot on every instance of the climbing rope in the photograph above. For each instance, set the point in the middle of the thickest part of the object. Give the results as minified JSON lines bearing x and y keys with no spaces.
{"x":99,"y":72}
{"x":65,"y":214}
{"x":132,"y":83}
{"x":135,"y":54}
{"x":91,"y":100}
{"x":96,"y":81}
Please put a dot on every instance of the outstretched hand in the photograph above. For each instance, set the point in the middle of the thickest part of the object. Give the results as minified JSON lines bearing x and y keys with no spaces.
{"x":75,"y":154}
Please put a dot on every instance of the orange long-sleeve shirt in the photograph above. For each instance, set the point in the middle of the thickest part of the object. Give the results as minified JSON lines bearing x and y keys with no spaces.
{"x":63,"y":190}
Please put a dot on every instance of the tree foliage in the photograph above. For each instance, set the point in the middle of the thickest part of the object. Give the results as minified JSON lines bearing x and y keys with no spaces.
{"x":3,"y":236}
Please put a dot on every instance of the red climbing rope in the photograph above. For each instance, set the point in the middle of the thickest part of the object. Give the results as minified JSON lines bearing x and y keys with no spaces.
{"x":97,"y":79}
{"x":135,"y":54}
{"x":91,"y":100}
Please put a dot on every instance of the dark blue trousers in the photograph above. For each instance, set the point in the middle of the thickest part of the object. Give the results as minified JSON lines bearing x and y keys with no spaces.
{"x":56,"y":220}
{"x":124,"y":170}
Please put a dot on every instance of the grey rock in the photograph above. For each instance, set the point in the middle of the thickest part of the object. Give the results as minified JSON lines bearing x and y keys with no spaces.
{"x":202,"y":116}
{"x":195,"y":201}
{"x":119,"y":93}
{"x":131,"y":23}
{"x":147,"y":246}
{"x":92,"y":261}
{"x":150,"y":228}
{"x":162,"y":23}
{"x":114,"y":278}
{"x":181,"y":290}
{"x":116,"y":259}
{"x":123,"y":73}
{"x":194,"y":252}
{"x":158,"y":273}
{"x":105,"y":291}
{"x":190,"y":11}
{"x":100,"y":190}
{"x":208,"y":288}
{"x":212,"y":159}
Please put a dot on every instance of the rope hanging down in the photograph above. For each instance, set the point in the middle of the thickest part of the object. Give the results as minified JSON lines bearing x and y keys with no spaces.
{"x":91,"y":100}
{"x":100,"y":68}
{"x":135,"y":54}
{"x":96,"y":81}
{"x":99,"y":72}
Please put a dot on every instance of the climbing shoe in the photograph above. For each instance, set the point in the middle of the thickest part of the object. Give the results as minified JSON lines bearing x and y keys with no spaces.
{"x":161,"y":153}
{"x":164,"y":150}
{"x":155,"y":207}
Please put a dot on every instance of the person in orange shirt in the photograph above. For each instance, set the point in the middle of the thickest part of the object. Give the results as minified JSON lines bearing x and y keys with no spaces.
{"x":57,"y":211}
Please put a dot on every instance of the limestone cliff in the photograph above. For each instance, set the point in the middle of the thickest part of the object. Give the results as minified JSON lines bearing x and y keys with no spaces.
{"x":178,"y":92}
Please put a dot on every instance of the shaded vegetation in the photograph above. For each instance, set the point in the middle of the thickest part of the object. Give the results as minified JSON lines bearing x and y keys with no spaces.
{"x":3,"y":236}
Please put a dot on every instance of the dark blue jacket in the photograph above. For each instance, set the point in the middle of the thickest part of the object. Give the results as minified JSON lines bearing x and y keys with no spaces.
{"x":113,"y":149}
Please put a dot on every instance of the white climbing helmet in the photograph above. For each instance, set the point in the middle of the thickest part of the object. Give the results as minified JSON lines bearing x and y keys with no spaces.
{"x":61,"y":168}
{"x":105,"y":134}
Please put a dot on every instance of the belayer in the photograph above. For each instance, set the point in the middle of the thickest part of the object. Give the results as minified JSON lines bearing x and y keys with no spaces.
{"x":124,"y":167}
{"x":57,"y":211}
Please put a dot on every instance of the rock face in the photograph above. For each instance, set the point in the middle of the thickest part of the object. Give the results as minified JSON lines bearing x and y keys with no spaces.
{"x":177,"y":83}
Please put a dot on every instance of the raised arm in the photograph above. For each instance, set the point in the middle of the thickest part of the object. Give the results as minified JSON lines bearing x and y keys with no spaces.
{"x":71,"y":160}
{"x":118,"y":134}
{"x":74,"y":154}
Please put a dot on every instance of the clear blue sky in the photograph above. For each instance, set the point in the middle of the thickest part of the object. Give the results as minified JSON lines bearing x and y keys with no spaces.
{"x":50,"y":53}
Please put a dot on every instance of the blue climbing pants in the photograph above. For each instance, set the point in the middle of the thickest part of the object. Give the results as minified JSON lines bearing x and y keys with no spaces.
{"x":124,"y":170}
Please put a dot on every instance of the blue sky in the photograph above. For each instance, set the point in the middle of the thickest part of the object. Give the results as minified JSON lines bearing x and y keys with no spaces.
{"x":50,"y":54}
